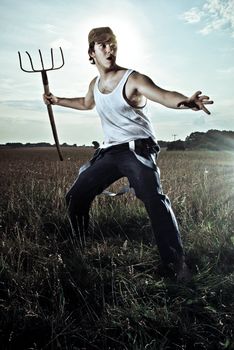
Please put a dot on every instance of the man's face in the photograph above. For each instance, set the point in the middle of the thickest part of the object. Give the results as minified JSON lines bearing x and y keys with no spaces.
{"x":105,"y":53}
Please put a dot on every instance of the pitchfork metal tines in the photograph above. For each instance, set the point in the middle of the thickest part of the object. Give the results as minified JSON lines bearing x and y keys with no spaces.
{"x":42,"y":63}
{"x":43,"y":71}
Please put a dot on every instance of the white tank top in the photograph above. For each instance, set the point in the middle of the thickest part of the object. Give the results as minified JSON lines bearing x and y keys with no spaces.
{"x":121,"y":122}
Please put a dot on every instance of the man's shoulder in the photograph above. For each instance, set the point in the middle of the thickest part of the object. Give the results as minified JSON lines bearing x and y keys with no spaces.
{"x":137,"y":77}
{"x":138,"y":81}
{"x":93,"y":81}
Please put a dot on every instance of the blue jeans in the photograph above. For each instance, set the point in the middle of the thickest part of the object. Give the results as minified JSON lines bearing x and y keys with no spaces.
{"x":110,"y":166}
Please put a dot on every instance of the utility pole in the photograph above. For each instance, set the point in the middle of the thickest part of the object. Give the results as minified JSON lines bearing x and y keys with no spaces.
{"x":174,"y":135}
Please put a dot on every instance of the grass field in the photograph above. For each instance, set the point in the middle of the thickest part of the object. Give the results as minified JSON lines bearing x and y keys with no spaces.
{"x":109,"y":293}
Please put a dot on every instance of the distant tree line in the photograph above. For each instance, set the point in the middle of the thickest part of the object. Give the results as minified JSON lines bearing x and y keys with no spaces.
{"x":38,"y":144}
{"x":215,"y":140}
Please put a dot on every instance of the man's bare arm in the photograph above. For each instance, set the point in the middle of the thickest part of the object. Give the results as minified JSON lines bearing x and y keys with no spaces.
{"x":170,"y":99}
{"x":80,"y":103}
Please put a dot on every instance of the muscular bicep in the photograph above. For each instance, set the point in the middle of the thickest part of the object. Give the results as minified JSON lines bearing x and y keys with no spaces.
{"x":149,"y":89}
{"x":89,"y":97}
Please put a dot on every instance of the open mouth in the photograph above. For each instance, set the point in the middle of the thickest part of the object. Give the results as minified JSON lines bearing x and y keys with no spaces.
{"x":109,"y":58}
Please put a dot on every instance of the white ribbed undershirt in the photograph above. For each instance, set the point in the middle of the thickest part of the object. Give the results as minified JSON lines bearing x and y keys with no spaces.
{"x":121,"y":122}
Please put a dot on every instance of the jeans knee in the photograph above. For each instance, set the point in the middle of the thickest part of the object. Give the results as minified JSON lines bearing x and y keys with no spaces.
{"x":73,"y":198}
{"x":78,"y":201}
{"x":156,"y":198}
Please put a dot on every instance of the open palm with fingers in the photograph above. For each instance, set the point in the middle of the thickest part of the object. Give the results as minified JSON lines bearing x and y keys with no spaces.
{"x":197,"y":102}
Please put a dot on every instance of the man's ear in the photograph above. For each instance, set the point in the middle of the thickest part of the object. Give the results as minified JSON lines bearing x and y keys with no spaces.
{"x":92,"y":54}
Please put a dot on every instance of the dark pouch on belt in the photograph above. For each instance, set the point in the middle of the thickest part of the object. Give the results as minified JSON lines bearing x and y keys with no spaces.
{"x":146,"y":146}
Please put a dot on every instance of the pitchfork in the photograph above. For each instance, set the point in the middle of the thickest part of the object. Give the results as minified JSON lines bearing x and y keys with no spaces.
{"x":46,"y":89}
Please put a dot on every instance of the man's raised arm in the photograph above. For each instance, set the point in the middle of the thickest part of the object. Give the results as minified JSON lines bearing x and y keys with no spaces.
{"x":81,"y":103}
{"x":171,"y":99}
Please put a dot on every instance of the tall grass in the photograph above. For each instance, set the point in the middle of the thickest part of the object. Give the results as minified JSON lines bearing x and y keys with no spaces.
{"x":109,"y":293}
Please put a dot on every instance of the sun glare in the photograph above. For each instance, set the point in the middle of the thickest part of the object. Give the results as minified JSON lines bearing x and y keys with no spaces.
{"x":131,"y":45}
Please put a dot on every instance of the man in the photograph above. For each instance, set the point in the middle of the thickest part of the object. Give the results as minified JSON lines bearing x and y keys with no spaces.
{"x":130,"y":146}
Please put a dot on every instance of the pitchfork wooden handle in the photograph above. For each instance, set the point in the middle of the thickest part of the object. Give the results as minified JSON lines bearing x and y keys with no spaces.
{"x":50,"y":112}
{"x":43,"y":71}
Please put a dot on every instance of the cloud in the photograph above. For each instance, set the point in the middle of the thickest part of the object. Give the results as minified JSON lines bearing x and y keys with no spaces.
{"x":214,"y":15}
{"x":192,"y":16}
{"x":61,"y":43}
{"x":216,"y":24}
{"x":50,"y":28}
{"x":228,"y":70}
{"x":29,"y":105}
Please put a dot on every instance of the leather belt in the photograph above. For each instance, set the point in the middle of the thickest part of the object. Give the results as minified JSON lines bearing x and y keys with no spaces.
{"x":137,"y":145}
{"x":134,"y":146}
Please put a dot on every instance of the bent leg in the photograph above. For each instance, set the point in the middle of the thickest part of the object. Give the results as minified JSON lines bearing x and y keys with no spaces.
{"x":89,"y":183}
{"x":146,"y":183}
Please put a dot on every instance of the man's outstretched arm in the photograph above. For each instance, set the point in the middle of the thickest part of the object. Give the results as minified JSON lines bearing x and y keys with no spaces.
{"x":170,"y":99}
{"x":81,"y":103}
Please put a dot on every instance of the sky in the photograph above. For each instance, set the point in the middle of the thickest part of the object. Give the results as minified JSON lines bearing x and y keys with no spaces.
{"x":181,"y":45}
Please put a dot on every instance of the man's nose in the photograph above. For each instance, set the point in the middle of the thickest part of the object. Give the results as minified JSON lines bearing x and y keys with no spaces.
{"x":109,"y":48}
